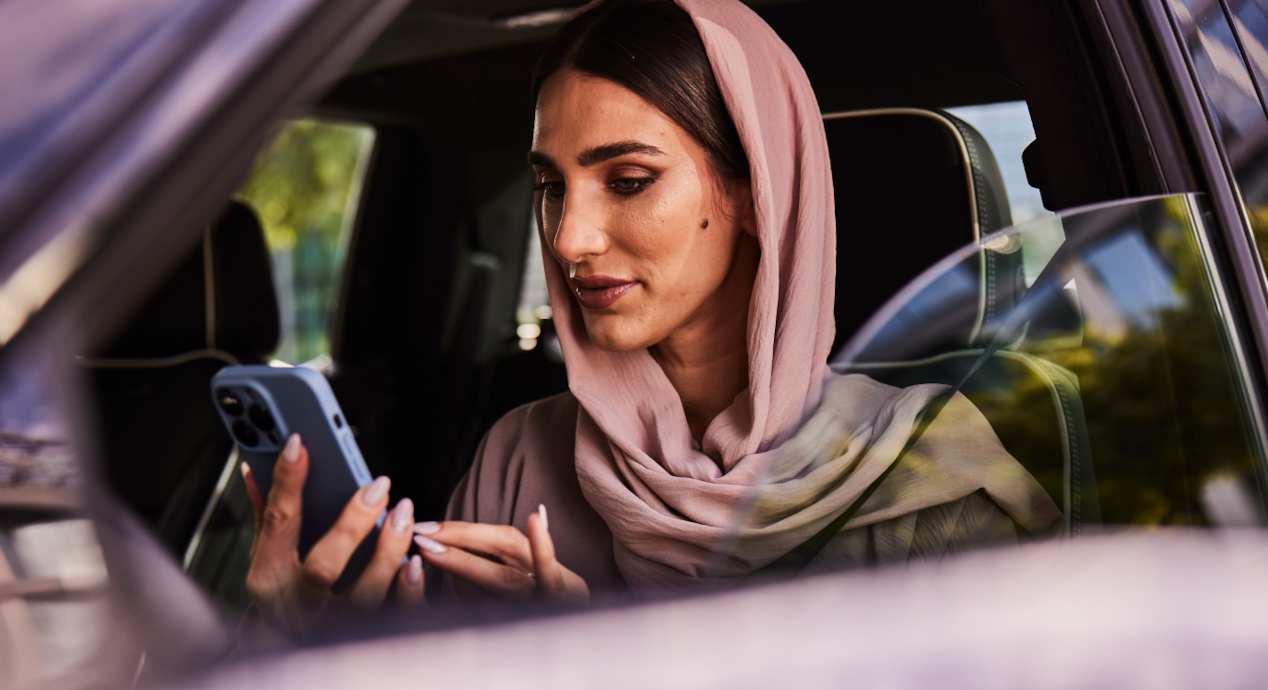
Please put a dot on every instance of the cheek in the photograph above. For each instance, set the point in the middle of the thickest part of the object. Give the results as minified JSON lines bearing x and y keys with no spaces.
{"x":662,"y":233}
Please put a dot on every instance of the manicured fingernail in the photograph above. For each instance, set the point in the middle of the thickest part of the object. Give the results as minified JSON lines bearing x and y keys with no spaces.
{"x":402,"y":516}
{"x":377,"y":490}
{"x":429,"y":527}
{"x":430,"y":545}
{"x":246,"y":470}
{"x":541,"y":511}
{"x":291,"y":452}
{"x":414,"y":571}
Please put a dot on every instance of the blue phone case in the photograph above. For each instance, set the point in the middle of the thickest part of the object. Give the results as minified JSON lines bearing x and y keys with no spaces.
{"x":261,"y":407}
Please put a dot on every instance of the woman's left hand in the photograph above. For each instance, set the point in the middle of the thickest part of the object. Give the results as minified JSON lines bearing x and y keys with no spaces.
{"x":500,"y":559}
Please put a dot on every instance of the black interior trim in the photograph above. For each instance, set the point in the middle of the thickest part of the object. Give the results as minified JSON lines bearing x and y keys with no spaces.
{"x":1077,"y":157}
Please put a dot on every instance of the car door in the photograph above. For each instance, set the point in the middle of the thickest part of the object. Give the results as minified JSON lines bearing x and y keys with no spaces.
{"x":125,"y":126}
{"x":131,"y":189}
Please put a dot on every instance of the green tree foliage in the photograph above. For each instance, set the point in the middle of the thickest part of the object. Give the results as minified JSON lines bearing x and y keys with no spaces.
{"x":304,"y":187}
{"x":1164,"y":409}
{"x":1165,"y":412}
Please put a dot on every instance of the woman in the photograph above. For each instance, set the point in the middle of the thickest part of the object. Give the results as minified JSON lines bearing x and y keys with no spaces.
{"x":686,"y":213}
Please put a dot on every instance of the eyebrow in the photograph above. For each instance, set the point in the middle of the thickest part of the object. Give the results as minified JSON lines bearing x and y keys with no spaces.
{"x":598,"y":154}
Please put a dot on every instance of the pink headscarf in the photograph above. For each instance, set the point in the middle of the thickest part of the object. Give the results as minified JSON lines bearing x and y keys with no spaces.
{"x":778,"y":120}
{"x":800,"y":444}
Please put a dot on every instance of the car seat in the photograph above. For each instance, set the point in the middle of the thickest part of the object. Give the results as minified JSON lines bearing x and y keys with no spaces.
{"x":165,"y":449}
{"x":914,"y":186}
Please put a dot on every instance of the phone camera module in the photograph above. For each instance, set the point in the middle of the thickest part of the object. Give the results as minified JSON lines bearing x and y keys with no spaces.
{"x":262,"y":417}
{"x":229,"y":402}
{"x":245,"y":433}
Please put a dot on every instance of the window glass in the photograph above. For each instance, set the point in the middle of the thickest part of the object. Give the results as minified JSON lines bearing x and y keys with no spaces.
{"x":1232,"y":95}
{"x":1110,"y":375}
{"x":305,"y":189}
{"x":1008,"y":130}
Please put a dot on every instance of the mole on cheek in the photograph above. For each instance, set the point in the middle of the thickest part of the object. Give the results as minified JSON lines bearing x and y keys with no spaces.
{"x":705,"y":224}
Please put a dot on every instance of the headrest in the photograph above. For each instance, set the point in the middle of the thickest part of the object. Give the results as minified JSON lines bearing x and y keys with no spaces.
{"x":221,"y":297}
{"x":911,"y":187}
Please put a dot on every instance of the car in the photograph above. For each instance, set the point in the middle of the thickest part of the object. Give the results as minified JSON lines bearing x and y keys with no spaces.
{"x":1059,"y":208}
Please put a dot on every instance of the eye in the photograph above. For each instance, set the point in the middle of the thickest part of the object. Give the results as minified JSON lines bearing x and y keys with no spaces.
{"x":552,"y":191}
{"x":630,"y":186}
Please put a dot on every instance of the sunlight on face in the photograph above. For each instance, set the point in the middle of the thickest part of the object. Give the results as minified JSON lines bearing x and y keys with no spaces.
{"x":625,"y":193}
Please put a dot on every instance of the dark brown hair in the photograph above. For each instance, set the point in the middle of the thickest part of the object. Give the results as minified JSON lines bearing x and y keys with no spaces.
{"x":652,"y":48}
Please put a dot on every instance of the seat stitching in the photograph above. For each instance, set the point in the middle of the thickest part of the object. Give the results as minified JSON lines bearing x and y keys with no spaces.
{"x":1076,"y":497}
{"x":983,"y":215}
{"x":979,"y":186}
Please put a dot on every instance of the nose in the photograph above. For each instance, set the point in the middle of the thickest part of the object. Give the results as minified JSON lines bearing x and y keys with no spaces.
{"x":578,"y":234}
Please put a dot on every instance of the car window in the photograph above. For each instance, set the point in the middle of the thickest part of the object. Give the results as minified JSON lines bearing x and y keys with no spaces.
{"x":1111,"y":375}
{"x":305,"y":189}
{"x":1008,"y":130}
{"x":1234,"y":92}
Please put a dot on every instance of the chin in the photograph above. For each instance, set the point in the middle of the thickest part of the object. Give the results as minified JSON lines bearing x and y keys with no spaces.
{"x":609,"y":333}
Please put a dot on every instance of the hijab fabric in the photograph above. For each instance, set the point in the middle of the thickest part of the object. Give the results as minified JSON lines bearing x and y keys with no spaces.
{"x":799,"y":444}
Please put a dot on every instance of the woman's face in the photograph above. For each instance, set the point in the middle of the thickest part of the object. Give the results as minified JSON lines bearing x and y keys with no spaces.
{"x":629,"y":196}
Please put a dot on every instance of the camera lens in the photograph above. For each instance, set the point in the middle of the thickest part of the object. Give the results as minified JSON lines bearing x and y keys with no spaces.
{"x":229,"y":402}
{"x":245,"y":433}
{"x":262,"y":417}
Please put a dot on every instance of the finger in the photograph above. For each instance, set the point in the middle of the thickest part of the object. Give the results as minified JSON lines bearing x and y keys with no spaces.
{"x":492,"y":577}
{"x":253,"y":493}
{"x":280,"y":519}
{"x":503,"y":542}
{"x":326,"y":560}
{"x":371,"y":587}
{"x":575,"y":586}
{"x":549,"y":574}
{"x":409,"y":583}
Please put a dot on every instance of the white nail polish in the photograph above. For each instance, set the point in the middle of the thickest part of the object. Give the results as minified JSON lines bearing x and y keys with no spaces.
{"x":429,"y":545}
{"x":376,"y":492}
{"x":429,"y":527}
{"x":291,"y":452}
{"x":414,"y":571}
{"x":403,"y":516}
{"x":541,"y":511}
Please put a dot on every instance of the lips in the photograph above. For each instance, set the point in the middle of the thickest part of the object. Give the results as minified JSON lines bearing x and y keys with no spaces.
{"x":600,"y":292}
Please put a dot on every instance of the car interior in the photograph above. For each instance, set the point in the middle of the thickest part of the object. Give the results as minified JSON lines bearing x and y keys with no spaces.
{"x":425,"y":350}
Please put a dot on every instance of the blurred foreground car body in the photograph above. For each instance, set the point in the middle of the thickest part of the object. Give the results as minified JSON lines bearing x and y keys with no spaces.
{"x":1118,"y":347}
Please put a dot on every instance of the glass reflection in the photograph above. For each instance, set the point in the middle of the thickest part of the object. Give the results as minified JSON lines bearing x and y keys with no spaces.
{"x":1233,"y":96}
{"x":1112,"y":381}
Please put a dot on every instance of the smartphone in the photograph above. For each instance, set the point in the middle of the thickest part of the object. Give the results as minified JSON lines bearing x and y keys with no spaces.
{"x":262,"y":406}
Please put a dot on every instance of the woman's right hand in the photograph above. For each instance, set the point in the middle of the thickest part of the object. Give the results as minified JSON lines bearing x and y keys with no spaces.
{"x":291,"y":594}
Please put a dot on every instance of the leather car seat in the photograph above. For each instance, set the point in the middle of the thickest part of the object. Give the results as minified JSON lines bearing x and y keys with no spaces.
{"x":165,"y":447}
{"x":914,"y":186}
{"x":911,"y":187}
